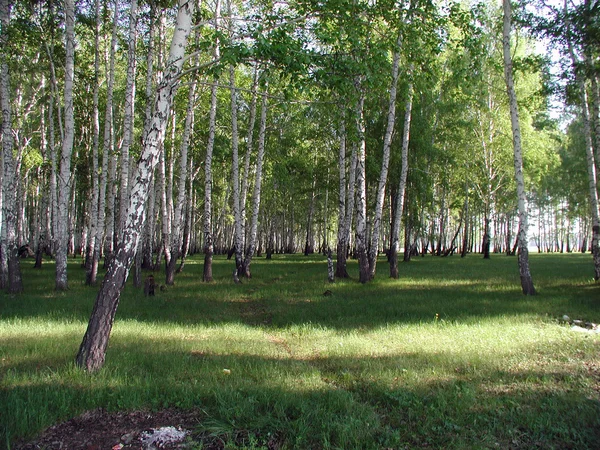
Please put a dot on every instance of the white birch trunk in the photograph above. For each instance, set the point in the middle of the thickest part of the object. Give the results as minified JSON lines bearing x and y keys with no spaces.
{"x":11,"y":273}
{"x":93,"y":242}
{"x":92,"y":351}
{"x":64,"y":180}
{"x":361,"y":193}
{"x":257,"y":187}
{"x":589,"y":149}
{"x":387,"y":142}
{"x":526,"y":281}
{"x":128,"y":116}
{"x":235,"y":175}
{"x":176,"y":234}
{"x":342,"y":244}
{"x":395,"y":247}
{"x":249,"y":142}
{"x":212,"y":123}
{"x":107,"y":150}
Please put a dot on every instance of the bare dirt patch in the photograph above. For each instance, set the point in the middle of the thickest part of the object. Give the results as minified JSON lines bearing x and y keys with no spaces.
{"x":101,"y":430}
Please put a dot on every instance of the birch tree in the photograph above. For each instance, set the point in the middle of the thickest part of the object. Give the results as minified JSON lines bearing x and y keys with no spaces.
{"x":8,"y":200}
{"x":395,"y":247}
{"x":523,"y":252}
{"x":107,"y":149}
{"x":64,"y":180}
{"x":387,"y":143}
{"x":251,"y":247}
{"x":208,"y":179}
{"x":592,"y":165}
{"x":361,"y":190}
{"x":91,"y":355}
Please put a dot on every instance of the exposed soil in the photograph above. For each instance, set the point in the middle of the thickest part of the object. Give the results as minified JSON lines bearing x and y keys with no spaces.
{"x":101,"y":430}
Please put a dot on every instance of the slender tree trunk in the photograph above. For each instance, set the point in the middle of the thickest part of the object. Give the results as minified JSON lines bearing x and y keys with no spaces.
{"x":257,"y":187}
{"x":181,"y":191}
{"x":208,"y":236}
{"x":591,"y":165}
{"x":394,"y":247}
{"x":342,"y":242}
{"x":67,"y":150}
{"x":128,"y":115}
{"x":235,"y":175}
{"x":92,"y":351}
{"x":107,"y":149}
{"x":361,"y":193}
{"x":93,"y":239}
{"x":387,"y":143}
{"x":526,"y":280}
{"x":249,"y":141}
{"x":8,"y":200}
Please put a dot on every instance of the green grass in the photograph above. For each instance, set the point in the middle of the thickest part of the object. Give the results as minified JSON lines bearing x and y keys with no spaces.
{"x":451,"y":355}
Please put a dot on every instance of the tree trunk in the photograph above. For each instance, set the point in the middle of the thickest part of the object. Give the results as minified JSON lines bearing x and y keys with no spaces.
{"x":95,"y":189}
{"x":128,"y":115}
{"x":394,"y":246}
{"x":8,"y":200}
{"x":342,"y":241}
{"x":257,"y":188}
{"x":208,"y":236}
{"x":64,"y":184}
{"x":591,"y":166}
{"x":92,"y":351}
{"x":361,"y":193}
{"x":387,"y":143}
{"x":107,"y":150}
{"x":526,"y":280}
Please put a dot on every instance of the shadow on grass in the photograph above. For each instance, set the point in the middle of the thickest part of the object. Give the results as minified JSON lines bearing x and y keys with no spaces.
{"x":410,"y":399}
{"x":290,"y":291}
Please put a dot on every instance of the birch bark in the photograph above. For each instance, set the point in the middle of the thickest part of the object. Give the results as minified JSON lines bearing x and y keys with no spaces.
{"x":257,"y":187}
{"x":361,"y":193}
{"x":589,"y":149}
{"x":176,"y":236}
{"x":64,"y":180}
{"x":95,"y":145}
{"x":92,"y":351}
{"x":342,"y":243}
{"x":212,"y":123}
{"x":8,"y":200}
{"x":395,"y":247}
{"x":128,"y":115}
{"x":523,"y":256}
{"x":387,"y":142}
{"x":107,"y":149}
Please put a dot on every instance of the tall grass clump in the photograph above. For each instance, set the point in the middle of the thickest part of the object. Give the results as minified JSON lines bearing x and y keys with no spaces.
{"x":451,"y":355}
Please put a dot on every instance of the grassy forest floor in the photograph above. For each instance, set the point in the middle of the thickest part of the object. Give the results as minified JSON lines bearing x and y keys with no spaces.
{"x":451,"y":355}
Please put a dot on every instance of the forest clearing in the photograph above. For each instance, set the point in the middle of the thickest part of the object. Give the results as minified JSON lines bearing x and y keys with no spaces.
{"x":449,"y":355}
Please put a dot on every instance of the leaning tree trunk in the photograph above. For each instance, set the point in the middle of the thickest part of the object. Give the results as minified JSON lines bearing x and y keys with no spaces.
{"x":387,"y":143}
{"x":526,"y":280}
{"x":92,"y":351}
{"x":212,"y":120}
{"x":394,"y":247}
{"x":257,"y":188}
{"x":8,"y":200}
{"x":64,"y":185}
